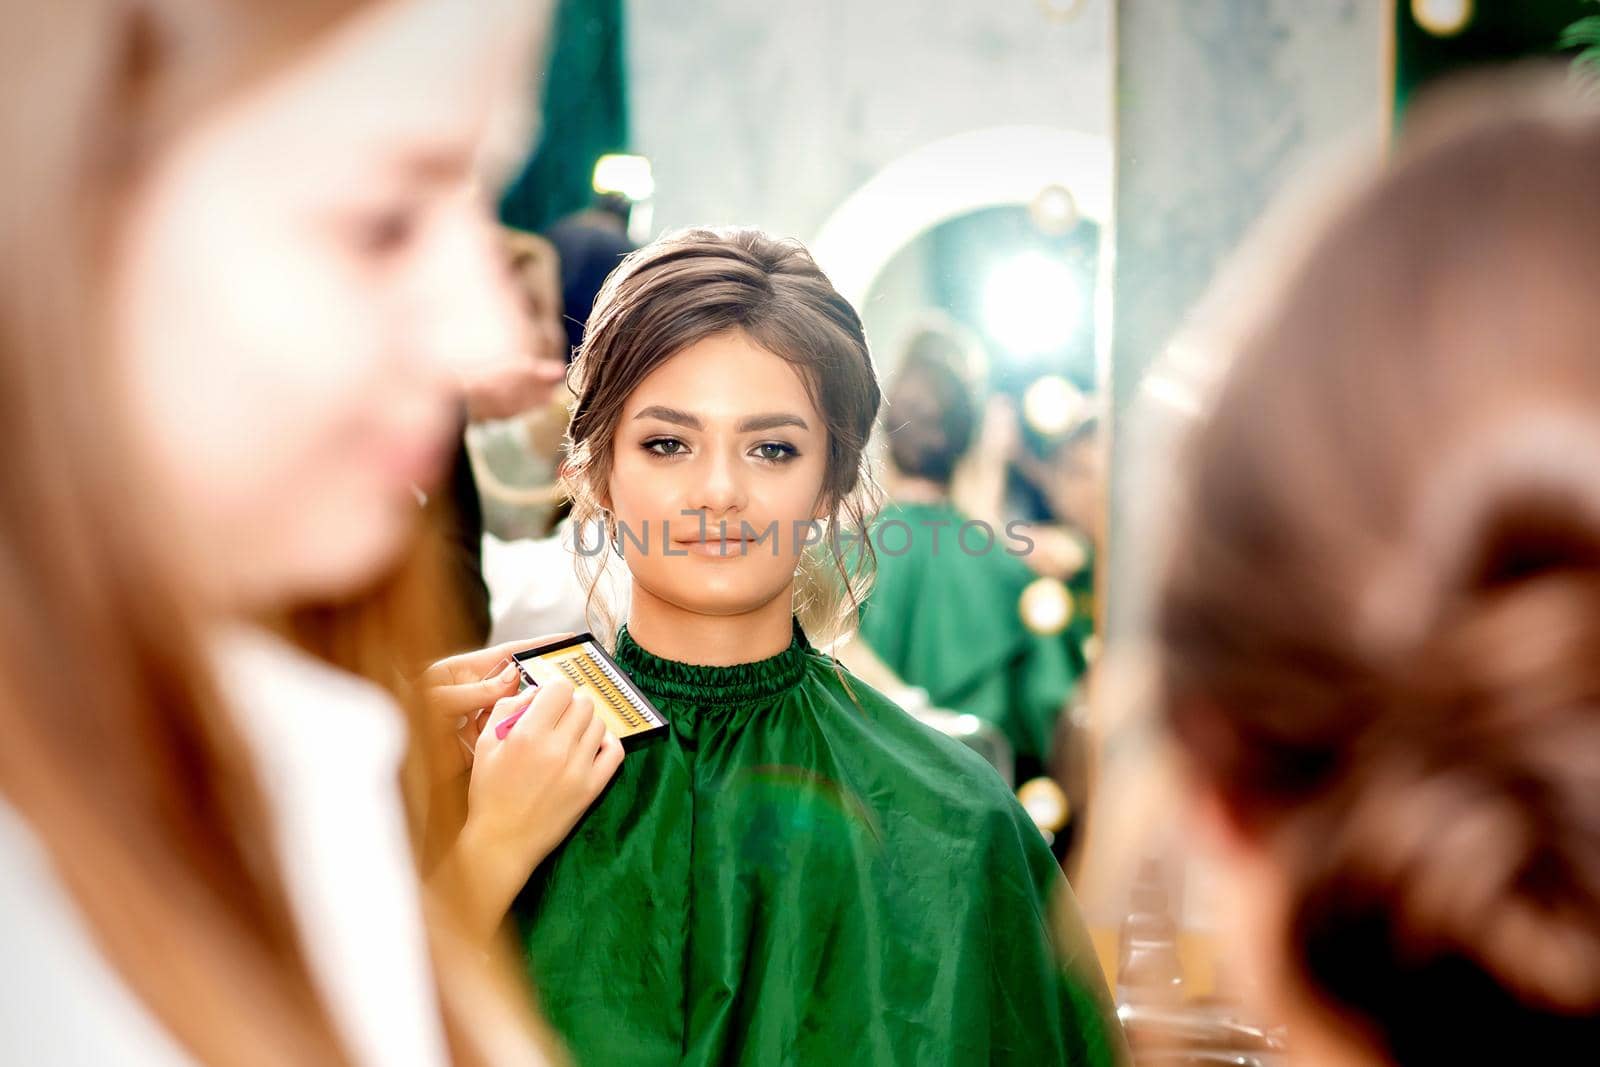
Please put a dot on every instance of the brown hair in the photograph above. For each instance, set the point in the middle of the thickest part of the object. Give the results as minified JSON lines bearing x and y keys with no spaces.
{"x":115,"y":750}
{"x":694,"y":284}
{"x":1380,"y":619}
{"x":931,"y":448}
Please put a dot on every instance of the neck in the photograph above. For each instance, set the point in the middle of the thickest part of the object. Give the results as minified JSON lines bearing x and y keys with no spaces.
{"x":664,"y":629}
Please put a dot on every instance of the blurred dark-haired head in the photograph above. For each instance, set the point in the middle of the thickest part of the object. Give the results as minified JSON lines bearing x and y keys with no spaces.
{"x":930,"y":416}
{"x":1379,"y":622}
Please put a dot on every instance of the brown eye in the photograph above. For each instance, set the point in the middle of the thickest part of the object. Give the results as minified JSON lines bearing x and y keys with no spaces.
{"x":775,"y":452}
{"x":664,"y":446}
{"x":386,"y":233}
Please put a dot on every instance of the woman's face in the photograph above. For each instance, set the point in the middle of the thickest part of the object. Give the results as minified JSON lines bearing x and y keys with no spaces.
{"x":541,"y":285}
{"x":721,"y":437}
{"x":530,"y":378}
{"x":304,"y":277}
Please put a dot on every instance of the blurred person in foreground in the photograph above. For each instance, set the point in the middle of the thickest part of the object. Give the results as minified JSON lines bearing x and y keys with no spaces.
{"x":240,"y":260}
{"x":1378,"y":624}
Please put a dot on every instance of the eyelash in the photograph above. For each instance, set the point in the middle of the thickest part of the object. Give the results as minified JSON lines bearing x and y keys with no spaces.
{"x":787,"y":452}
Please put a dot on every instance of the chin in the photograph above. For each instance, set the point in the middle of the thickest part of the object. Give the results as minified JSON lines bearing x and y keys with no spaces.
{"x":352,"y":561}
{"x":723,"y":598}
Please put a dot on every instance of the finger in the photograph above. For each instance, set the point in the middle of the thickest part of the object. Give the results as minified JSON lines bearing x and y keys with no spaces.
{"x":504,"y":726}
{"x":549,"y":708}
{"x":472,"y":666}
{"x":498,"y":724}
{"x":572,"y":725}
{"x":506,"y":712}
{"x":589,"y":743}
{"x":550,"y":370}
{"x":606,"y":761}
{"x":467,"y":667}
{"x":453,"y":702}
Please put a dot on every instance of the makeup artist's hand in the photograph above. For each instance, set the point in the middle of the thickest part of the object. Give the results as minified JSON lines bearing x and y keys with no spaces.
{"x":459,"y":691}
{"x":540,"y":762}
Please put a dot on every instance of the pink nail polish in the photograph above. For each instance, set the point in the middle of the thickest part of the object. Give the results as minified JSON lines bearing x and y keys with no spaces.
{"x":504,"y":726}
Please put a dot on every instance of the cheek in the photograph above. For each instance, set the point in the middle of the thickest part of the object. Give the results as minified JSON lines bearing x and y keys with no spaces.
{"x":792,"y":499}
{"x":250,"y":350}
{"x":635,"y":492}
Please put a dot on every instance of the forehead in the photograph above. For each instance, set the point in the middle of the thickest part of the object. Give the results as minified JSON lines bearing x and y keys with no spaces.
{"x":408,"y":75}
{"x":725,"y":375}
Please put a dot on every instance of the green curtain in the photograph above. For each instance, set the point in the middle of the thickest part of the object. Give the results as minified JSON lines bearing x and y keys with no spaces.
{"x":585,"y":92}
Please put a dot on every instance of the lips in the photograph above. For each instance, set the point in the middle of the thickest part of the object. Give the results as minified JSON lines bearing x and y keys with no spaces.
{"x":716,"y":548}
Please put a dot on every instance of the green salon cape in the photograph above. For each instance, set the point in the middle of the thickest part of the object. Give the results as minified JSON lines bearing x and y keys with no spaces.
{"x":789,"y":877}
{"x":945,"y":619}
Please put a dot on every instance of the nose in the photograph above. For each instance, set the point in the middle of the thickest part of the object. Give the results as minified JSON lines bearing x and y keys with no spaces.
{"x":467,"y":311}
{"x":721,"y":491}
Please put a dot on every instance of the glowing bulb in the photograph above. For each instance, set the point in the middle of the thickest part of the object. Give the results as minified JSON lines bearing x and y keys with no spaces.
{"x":1061,"y":10}
{"x":1045,"y":606}
{"x":967,"y":726}
{"x":1054,"y":210}
{"x":1033,"y":303}
{"x":1052,"y":405}
{"x":1045,"y":803}
{"x":1442,"y":18}
{"x":628,"y":175}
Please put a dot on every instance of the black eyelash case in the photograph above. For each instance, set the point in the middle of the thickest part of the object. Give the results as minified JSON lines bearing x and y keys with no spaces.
{"x":580,"y":660}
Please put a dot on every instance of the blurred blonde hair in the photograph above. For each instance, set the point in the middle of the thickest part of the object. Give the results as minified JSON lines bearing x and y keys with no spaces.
{"x":137,"y":786}
{"x":134,"y":780}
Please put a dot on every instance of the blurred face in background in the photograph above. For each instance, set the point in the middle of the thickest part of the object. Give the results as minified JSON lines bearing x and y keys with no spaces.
{"x":529,"y":377}
{"x":305,"y":278}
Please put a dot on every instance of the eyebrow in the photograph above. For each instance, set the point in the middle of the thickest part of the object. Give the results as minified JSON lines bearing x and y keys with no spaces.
{"x":751,"y":424}
{"x":437,"y":164}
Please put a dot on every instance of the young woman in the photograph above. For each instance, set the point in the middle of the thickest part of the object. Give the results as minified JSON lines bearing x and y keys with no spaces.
{"x":799,"y":872}
{"x":238,"y":268}
{"x":1379,"y":624}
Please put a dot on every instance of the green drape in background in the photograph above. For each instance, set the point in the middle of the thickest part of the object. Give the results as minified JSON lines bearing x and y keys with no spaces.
{"x":585,"y":91}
